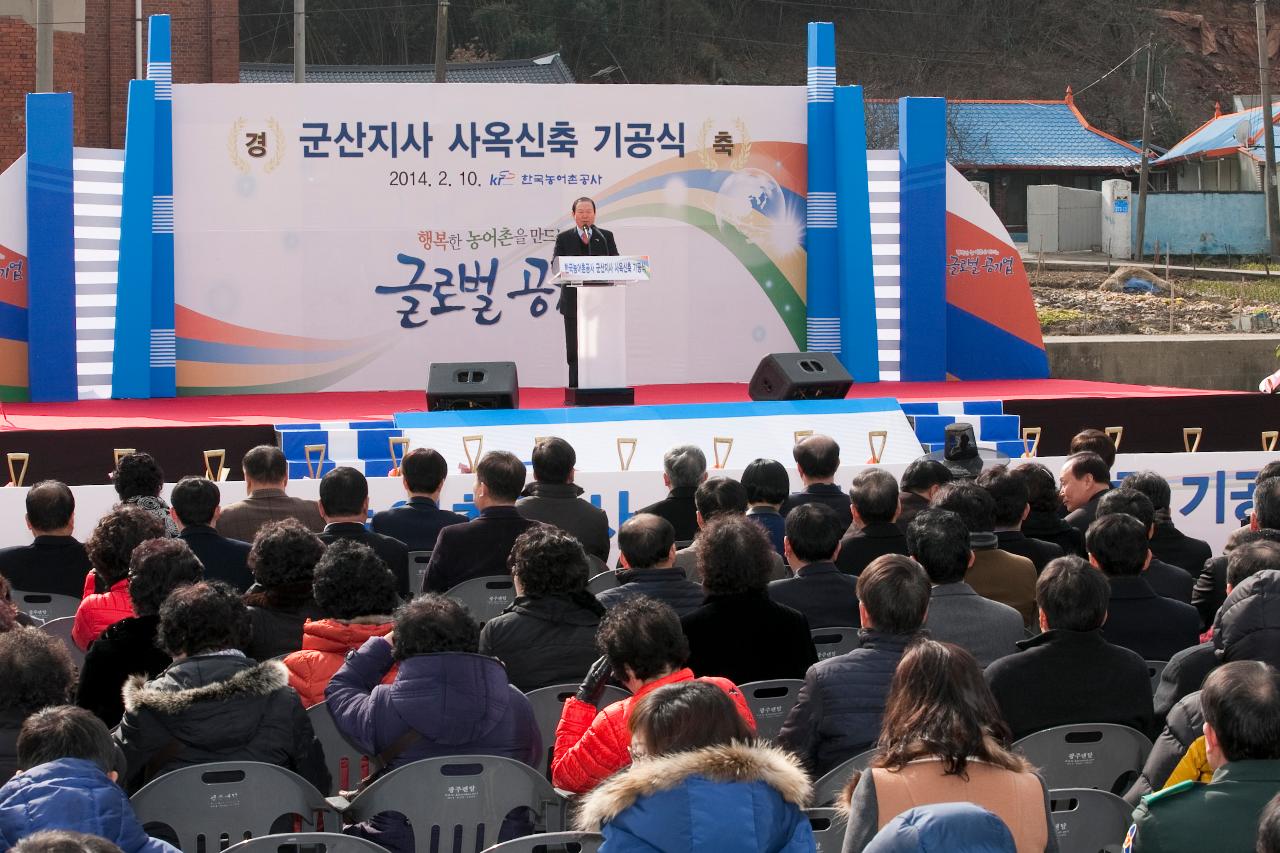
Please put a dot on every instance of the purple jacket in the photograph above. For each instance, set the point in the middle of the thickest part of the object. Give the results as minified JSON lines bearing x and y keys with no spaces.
{"x":461,"y":704}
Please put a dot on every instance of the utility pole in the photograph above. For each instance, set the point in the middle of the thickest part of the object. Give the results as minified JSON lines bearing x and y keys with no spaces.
{"x":1145,"y":169}
{"x":442,"y":37}
{"x":44,"y":45}
{"x":1268,"y":130}
{"x":299,"y":41}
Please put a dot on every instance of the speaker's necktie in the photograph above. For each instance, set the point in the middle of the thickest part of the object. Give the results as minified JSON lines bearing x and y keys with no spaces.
{"x":586,"y":236}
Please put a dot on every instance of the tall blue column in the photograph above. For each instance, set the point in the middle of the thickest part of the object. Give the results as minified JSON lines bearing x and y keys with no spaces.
{"x":922,"y":150}
{"x":131,"y":370}
{"x":163,"y":352}
{"x":855,"y":280}
{"x":822,"y":294}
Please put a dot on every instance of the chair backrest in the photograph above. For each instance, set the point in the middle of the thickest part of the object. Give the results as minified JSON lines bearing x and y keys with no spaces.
{"x":348,"y":764}
{"x":417,"y":570}
{"x":61,"y":628}
{"x":465,"y":798}
{"x":547,"y":704}
{"x":1090,"y":755}
{"x":828,"y":830}
{"x":770,"y":702}
{"x":210,"y":806}
{"x":311,"y":842}
{"x":1088,"y":821}
{"x":551,"y":842}
{"x":826,"y":789}
{"x":45,"y":606}
{"x":607,"y":579}
{"x":485,"y":597}
{"x":834,"y":641}
{"x":1154,"y":669}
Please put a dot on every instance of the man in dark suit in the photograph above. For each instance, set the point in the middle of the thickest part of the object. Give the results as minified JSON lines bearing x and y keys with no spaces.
{"x":825,"y":595}
{"x":480,"y":547}
{"x":55,"y":562}
{"x":344,"y":503}
{"x":266,"y":474}
{"x":1168,"y":543}
{"x":1084,"y":477}
{"x":1210,"y":588}
{"x":683,"y":469}
{"x":874,"y":496}
{"x":1168,"y":581}
{"x":418,"y":522}
{"x":817,"y":459}
{"x":1012,"y":508}
{"x":584,"y":238}
{"x":552,"y":498}
{"x":194,"y":505}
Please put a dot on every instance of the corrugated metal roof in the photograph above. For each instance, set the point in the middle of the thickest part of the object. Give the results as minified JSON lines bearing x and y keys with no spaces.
{"x":543,"y":69}
{"x":1222,"y":135}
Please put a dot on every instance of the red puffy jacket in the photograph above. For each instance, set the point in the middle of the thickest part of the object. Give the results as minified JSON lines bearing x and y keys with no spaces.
{"x":592,"y":745}
{"x":325,"y":643}
{"x":98,"y":611}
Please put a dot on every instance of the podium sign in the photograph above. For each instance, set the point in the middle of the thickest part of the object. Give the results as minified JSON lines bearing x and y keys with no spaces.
{"x":612,"y":268}
{"x":602,"y":324}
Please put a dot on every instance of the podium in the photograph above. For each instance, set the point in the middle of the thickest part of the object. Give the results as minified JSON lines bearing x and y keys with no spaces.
{"x":601,"y":283}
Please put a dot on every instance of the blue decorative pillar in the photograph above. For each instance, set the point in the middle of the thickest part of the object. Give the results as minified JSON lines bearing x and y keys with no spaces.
{"x":131,"y":371}
{"x":822,"y":297}
{"x":856,"y":280}
{"x":163,"y":352}
{"x":922,"y":150}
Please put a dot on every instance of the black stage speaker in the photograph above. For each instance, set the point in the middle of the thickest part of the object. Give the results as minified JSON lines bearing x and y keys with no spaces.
{"x":799,"y":376}
{"x":472,"y":385}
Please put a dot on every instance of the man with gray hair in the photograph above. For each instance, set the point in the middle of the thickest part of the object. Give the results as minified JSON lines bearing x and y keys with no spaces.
{"x":683,"y":469}
{"x":817,"y":459}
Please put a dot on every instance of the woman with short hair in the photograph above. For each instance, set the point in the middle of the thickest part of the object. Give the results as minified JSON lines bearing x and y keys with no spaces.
{"x":283,"y":561}
{"x":138,"y":480}
{"x":106,"y":588}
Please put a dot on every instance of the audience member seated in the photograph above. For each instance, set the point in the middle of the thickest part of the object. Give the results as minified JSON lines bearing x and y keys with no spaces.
{"x":1070,"y":673}
{"x":106,"y":587}
{"x":840,"y":706}
{"x":939,"y":541}
{"x":1084,"y":479}
{"x":481,"y":547}
{"x":344,"y":504}
{"x":266,"y":476}
{"x":647,"y":543}
{"x":1177,"y":745}
{"x":1264,"y":523}
{"x":138,"y":481}
{"x":283,"y":560}
{"x":817,"y":460}
{"x":767,"y":485}
{"x":920,"y":482}
{"x":943,"y":741}
{"x":358,"y":592}
{"x":1137,"y":618}
{"x":826,"y":596}
{"x":1044,"y":521}
{"x":739,"y":633}
{"x":195,"y":509}
{"x":55,"y":562}
{"x":683,"y":469}
{"x":697,"y":767}
{"x":716,"y":497}
{"x":552,"y":498}
{"x":1168,"y":581}
{"x":38,"y":672}
{"x":1012,"y":508}
{"x":643,"y":648}
{"x":1168,"y":543}
{"x":157,"y":568}
{"x":66,"y":781}
{"x":944,"y":826}
{"x":1241,"y":706}
{"x":64,"y":841}
{"x":874,"y":505}
{"x":420,"y":520}
{"x":547,"y":635}
{"x":994,"y":574}
{"x":213,"y":703}
{"x":1094,"y":441}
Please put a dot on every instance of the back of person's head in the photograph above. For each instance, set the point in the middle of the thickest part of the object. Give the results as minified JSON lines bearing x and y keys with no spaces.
{"x":1009,"y":493}
{"x":1247,"y":560}
{"x":814,"y":532}
{"x":685,"y":716}
{"x":1269,"y":827}
{"x":1118,"y":544}
{"x":203,"y":617}
{"x":423,"y":470}
{"x":766,"y":482}
{"x":818,"y":456}
{"x":895,"y":592}
{"x":1244,"y":535}
{"x":115,"y":536}
{"x":1130,"y":502}
{"x":284,"y":554}
{"x":643,"y":634}
{"x":1089,"y":464}
{"x":37,"y":670}
{"x":502,"y":474}
{"x":719,"y":496}
{"x":939,"y":706}
{"x":351,"y":581}
{"x":64,"y":731}
{"x":64,"y":841}
{"x":874,"y":494}
{"x":923,"y":474}
{"x":1151,"y":484}
{"x":1241,"y":703}
{"x":1094,"y":441}
{"x":1042,"y":487}
{"x":194,"y":500}
{"x":939,"y":541}
{"x":157,"y":568}
{"x":548,"y":561}
{"x":265,"y":464}
{"x":684,"y":466}
{"x":1072,"y":595}
{"x":137,"y":475}
{"x":645,"y":540}
{"x":734,"y":555}
{"x":1271,"y":469}
{"x":432,"y":624}
{"x":50,"y":504}
{"x":1266,"y":503}
{"x":343,"y":492}
{"x":553,"y":460}
{"x":971,"y":502}
{"x":940,"y":827}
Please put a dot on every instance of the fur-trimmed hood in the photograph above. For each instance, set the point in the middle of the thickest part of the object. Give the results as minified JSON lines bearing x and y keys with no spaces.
{"x":201,"y":679}
{"x":735,"y":762}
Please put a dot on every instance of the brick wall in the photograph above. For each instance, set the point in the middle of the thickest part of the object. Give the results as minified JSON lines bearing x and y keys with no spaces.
{"x":18,"y":77}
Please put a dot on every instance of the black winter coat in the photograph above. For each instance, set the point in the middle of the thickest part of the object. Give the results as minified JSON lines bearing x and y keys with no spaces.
{"x":669,"y":585}
{"x":826,"y":596}
{"x":545,"y":640}
{"x":277,"y":617}
{"x":745,"y":637}
{"x":1178,"y":549}
{"x":1038,"y":551}
{"x":126,"y":648}
{"x":1048,"y":527}
{"x":1186,"y":723}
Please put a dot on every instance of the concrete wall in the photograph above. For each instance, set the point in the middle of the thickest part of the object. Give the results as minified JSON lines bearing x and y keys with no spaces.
{"x":1218,"y":362}
{"x":1205,"y":223}
{"x":1063,"y":219}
